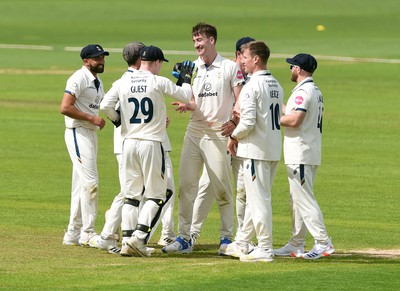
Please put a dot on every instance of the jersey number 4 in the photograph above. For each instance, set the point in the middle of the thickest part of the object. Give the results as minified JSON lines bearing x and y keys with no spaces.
{"x":319,"y":122}
{"x":144,"y":107}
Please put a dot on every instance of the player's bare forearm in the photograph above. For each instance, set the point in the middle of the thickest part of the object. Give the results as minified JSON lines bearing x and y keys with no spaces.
{"x":182,"y":107}
{"x":293,"y":120}
{"x":236,"y":107}
{"x":68,"y":108}
{"x":232,"y":146}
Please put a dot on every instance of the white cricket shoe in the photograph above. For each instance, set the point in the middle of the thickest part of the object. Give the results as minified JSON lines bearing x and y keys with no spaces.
{"x":88,"y":239}
{"x":71,"y":239}
{"x":193,"y":237}
{"x":150,"y":250}
{"x":290,"y":250}
{"x":258,"y":255}
{"x":134,"y":247}
{"x":126,"y":253}
{"x":109,"y":245}
{"x":234,"y":250}
{"x":223,"y":243}
{"x":179,"y":246}
{"x":320,"y":250}
{"x":166,"y":240}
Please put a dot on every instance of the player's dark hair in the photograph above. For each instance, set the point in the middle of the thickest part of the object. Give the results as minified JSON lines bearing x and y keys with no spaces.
{"x":207,"y":29}
{"x":260,"y":49}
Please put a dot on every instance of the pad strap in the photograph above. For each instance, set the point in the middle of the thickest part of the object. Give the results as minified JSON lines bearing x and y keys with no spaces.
{"x":127,"y":233}
{"x":132,"y":202}
{"x":143,"y":228}
{"x":159,"y":202}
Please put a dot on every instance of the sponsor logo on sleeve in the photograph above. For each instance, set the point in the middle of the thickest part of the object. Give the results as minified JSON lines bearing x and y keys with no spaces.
{"x":299,"y":100}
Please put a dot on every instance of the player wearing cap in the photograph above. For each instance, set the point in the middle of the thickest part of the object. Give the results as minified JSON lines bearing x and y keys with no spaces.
{"x":80,"y":105}
{"x":143,"y":127}
{"x":205,"y":196}
{"x":302,"y":150}
{"x":215,"y":89}
{"x":259,"y":142}
{"x":107,"y":240}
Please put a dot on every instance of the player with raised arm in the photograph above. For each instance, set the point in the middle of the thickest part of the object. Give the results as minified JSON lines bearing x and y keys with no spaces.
{"x":143,"y":127}
{"x":215,"y":89}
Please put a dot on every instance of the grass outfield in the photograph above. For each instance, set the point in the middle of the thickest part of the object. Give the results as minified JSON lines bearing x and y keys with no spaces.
{"x":357,"y":186}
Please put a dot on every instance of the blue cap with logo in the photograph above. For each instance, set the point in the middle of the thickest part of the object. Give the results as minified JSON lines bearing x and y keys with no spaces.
{"x":93,"y":51}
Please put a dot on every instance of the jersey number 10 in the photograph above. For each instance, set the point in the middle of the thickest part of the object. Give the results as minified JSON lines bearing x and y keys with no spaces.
{"x":275,"y":115}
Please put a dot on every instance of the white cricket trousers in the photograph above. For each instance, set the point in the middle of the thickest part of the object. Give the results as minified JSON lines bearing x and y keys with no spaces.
{"x":205,"y":198}
{"x":115,"y":214}
{"x":258,"y":179}
{"x":211,"y":153}
{"x":306,"y":214}
{"x":82,"y":148}
{"x":144,"y":179}
{"x":114,"y":218}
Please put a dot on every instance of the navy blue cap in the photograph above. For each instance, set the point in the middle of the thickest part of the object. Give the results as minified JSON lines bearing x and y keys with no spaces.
{"x":305,"y":61}
{"x":93,"y":51}
{"x":243,"y":41}
{"x":152,"y":53}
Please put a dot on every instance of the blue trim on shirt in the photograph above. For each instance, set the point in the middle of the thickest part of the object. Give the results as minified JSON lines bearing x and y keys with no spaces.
{"x":69,"y":92}
{"x":301,"y":109}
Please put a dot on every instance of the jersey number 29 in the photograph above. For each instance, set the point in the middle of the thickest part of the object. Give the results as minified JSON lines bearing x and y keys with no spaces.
{"x":145,"y":107}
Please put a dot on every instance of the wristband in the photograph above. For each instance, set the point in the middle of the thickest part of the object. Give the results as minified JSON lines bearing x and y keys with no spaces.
{"x":233,"y":122}
{"x":231,"y":137}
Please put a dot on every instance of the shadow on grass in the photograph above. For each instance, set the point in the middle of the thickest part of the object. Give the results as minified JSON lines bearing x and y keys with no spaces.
{"x":210,"y":251}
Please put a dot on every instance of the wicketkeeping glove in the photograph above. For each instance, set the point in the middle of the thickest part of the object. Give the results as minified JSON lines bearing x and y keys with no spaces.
{"x":177,"y":70}
{"x":186,"y":73}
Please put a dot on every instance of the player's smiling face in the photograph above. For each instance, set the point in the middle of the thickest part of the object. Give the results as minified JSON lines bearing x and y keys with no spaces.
{"x":201,"y":44}
{"x":95,"y":65}
{"x":247,"y":61}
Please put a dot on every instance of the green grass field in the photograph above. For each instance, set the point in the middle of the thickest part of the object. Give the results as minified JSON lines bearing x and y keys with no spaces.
{"x":357,"y":186}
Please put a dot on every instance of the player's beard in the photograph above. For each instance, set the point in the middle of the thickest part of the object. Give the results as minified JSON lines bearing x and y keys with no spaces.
{"x":99,"y":68}
{"x":294,"y":77}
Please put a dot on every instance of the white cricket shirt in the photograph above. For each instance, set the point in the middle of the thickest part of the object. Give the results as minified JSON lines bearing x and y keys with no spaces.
{"x":143,"y":111}
{"x":259,"y":131}
{"x":302,"y":145}
{"x":213,"y":94}
{"x":88,"y":98}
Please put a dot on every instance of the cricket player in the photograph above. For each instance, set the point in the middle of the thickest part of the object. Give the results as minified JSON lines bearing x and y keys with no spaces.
{"x":302,"y":150}
{"x":205,"y":197}
{"x":107,"y":240}
{"x":80,"y":105}
{"x":215,"y":89}
{"x":259,"y":142}
{"x":143,"y":127}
